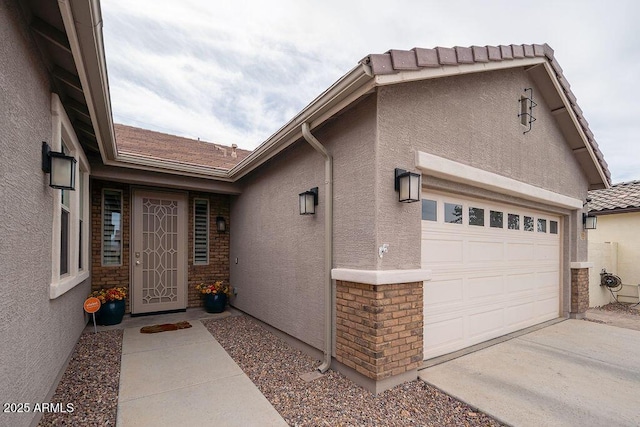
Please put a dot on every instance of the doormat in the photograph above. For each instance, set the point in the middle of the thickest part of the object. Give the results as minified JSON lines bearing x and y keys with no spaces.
{"x":164,"y":327}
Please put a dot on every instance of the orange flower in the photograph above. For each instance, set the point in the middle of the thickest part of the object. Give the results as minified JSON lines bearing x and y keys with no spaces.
{"x":218,"y":287}
{"x":111,"y":294}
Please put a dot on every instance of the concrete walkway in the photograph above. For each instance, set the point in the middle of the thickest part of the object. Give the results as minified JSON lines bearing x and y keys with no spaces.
{"x":186,"y":378}
{"x":573,"y":373}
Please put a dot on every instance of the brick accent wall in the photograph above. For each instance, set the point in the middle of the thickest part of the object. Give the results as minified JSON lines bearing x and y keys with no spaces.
{"x":579,"y":290}
{"x":109,"y":276}
{"x":218,"y":267}
{"x":379,"y":329}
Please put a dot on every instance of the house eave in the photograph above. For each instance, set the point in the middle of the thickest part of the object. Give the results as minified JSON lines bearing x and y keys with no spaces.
{"x":615,"y":211}
{"x":83,"y":25}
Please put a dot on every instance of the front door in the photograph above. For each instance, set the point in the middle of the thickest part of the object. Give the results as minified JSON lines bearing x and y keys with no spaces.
{"x":159,"y":253}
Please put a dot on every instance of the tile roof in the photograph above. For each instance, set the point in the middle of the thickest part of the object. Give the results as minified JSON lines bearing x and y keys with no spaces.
{"x":161,"y":146}
{"x":395,"y":61}
{"x":625,"y":195}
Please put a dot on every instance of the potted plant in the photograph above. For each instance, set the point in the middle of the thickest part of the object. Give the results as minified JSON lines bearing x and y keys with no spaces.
{"x":215,"y":295}
{"x":112,"y":305}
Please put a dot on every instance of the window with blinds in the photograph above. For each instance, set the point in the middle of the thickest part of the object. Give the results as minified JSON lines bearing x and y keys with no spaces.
{"x":200,"y":231}
{"x":111,"y":227}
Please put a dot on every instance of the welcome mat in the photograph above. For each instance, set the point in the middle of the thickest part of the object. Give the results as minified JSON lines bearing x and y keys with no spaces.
{"x":164,"y":327}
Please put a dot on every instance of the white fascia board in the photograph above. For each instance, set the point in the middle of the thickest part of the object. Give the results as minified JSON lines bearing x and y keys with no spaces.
{"x":131,"y":161}
{"x":91,"y":23}
{"x":450,"y":170}
{"x":453,"y":70}
{"x":576,"y":123}
{"x":380,"y":277}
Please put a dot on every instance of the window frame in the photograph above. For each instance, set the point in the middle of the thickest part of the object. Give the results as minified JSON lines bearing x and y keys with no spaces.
{"x":115,"y":190}
{"x":77,"y":217}
{"x":208,"y":231}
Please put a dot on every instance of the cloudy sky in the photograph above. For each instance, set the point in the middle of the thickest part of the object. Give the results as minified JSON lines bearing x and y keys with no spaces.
{"x":236,"y":71}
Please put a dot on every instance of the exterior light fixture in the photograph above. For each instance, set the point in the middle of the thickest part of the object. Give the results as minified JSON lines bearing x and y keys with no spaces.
{"x":60,"y":167}
{"x":407,"y":184}
{"x":309,"y":201}
{"x":589,"y":221}
{"x":221,"y":225}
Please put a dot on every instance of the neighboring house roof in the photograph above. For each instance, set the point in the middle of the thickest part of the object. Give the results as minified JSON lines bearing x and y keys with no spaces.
{"x":622,"y":197}
{"x":396,"y":61}
{"x":164,"y":147}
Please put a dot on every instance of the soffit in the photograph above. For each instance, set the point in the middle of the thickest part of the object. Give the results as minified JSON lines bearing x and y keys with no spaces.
{"x":48,"y":30}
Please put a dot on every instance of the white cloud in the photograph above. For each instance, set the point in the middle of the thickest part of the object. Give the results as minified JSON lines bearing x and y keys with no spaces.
{"x":235,"y":74}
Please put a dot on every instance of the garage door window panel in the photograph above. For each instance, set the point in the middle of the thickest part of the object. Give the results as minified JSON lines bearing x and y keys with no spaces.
{"x":429,"y":210}
{"x":528,"y":223}
{"x":452,"y":213}
{"x":553,"y":227}
{"x":542,"y":225}
{"x":476,"y":216}
{"x":495,"y":219}
{"x":513,"y":221}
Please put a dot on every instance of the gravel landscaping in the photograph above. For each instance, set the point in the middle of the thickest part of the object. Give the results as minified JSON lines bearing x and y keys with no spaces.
{"x":332,"y":400}
{"x":620,"y":307}
{"x":90,"y":382}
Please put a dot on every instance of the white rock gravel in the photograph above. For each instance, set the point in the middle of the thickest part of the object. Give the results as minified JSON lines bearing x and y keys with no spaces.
{"x":90,"y":382}
{"x":333,"y":400}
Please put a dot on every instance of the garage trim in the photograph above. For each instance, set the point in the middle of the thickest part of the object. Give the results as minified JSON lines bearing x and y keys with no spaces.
{"x":459,"y":172}
{"x":380,"y":277}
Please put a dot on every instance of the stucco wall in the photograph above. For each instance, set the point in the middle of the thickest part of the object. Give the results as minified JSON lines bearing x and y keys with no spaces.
{"x":471,"y":119}
{"x":603,"y":255}
{"x":37,"y":334}
{"x":624,"y":229}
{"x":279,"y":274}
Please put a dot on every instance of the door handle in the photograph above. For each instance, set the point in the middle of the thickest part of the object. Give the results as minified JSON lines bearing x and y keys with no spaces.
{"x":137,"y":262}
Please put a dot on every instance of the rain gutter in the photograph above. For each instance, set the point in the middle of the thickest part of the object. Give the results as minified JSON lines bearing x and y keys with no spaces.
{"x":328,"y":245}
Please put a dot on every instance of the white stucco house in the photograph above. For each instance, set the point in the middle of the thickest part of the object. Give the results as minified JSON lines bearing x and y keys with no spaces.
{"x":373,"y":282}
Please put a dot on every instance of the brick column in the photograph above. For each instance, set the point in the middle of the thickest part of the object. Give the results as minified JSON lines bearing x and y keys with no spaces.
{"x":379,"y":328}
{"x":579,"y":292}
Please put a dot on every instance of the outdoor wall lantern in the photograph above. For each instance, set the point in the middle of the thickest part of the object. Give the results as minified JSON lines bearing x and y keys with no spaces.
{"x":221,"y":225}
{"x":60,"y":167}
{"x":407,"y":184}
{"x":589,"y":221}
{"x":309,"y":201}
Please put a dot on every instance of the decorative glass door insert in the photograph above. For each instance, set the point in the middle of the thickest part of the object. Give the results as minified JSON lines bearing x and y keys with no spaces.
{"x":159,"y":255}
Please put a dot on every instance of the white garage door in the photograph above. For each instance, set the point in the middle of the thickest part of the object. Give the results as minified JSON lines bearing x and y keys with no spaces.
{"x":495,"y":270}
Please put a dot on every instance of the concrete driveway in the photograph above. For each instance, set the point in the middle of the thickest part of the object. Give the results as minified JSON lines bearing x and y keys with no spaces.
{"x":572,"y":373}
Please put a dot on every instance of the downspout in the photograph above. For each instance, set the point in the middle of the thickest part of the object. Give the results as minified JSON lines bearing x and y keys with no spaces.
{"x":328,"y":245}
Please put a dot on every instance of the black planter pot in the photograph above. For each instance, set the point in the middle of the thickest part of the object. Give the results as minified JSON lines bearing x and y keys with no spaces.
{"x":110,"y":313}
{"x":215,"y":303}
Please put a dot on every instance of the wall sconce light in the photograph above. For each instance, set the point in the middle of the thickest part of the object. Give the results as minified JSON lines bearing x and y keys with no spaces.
{"x":407,"y":184}
{"x":221,"y":225}
{"x":589,"y":221}
{"x":60,"y":167}
{"x":309,"y":201}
